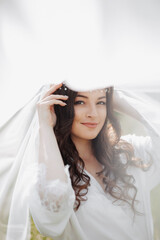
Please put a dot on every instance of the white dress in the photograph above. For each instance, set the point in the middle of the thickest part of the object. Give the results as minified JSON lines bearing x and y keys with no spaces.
{"x":97,"y":218}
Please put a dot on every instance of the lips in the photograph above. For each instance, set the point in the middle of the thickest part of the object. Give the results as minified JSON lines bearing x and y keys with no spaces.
{"x":90,"y":124}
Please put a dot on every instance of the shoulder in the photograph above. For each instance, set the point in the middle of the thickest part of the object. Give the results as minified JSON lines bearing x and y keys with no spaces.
{"x":147,"y":149}
{"x":133,"y":139}
{"x":141,"y":156}
{"x":139,"y":143}
{"x":142,"y":147}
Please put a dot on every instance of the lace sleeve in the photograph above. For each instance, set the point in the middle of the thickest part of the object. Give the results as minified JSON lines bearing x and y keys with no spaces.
{"x":54,"y":195}
{"x":51,"y":202}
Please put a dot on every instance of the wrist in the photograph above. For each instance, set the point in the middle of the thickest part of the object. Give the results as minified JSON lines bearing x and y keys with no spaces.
{"x":43,"y":126}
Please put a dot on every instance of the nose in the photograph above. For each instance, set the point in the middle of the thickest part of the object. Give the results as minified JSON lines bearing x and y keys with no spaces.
{"x":91,"y":111}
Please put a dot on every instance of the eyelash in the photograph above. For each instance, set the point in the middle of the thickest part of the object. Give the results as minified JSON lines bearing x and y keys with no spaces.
{"x":82,"y":102}
{"x":78,"y":102}
{"x":103,"y":103}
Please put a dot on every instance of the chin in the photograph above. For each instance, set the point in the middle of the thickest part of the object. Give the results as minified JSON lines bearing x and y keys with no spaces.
{"x":91,"y":136}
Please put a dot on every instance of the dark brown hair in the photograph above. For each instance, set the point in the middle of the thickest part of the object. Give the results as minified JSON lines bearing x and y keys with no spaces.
{"x":107,"y":147}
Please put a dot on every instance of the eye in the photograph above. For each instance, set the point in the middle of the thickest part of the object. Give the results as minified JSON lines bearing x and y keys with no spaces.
{"x":101,"y":103}
{"x":79,"y":103}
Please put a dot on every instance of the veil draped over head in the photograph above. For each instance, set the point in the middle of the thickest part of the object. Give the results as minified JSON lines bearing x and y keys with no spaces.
{"x":19,"y":152}
{"x":82,"y":41}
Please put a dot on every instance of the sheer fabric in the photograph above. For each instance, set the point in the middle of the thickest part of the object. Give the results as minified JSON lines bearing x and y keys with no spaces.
{"x":98,"y":217}
{"x":24,"y":191}
{"x":18,"y":154}
{"x":55,"y":196}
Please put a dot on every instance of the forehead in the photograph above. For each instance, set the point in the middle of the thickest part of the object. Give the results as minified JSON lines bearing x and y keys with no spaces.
{"x":94,"y":93}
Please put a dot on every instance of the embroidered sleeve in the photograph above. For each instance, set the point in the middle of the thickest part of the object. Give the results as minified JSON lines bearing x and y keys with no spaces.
{"x":51,"y":203}
{"x":54,"y":195}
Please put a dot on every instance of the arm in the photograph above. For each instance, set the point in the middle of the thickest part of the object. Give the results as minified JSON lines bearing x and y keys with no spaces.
{"x":122,"y":105}
{"x":140,"y":107}
{"x":49,"y":152}
{"x":147,"y":112}
{"x":51,"y":195}
{"x":50,"y":155}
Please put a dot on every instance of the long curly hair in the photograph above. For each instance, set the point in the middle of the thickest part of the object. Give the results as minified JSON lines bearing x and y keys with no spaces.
{"x":107,"y":148}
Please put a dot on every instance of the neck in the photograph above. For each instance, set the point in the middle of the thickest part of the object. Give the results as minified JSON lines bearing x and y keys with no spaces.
{"x":84,"y":148}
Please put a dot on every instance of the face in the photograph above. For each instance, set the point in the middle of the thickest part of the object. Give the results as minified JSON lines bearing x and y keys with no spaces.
{"x":90,"y":114}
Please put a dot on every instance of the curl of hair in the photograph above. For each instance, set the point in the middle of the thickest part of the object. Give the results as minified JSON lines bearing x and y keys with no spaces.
{"x":107,"y":147}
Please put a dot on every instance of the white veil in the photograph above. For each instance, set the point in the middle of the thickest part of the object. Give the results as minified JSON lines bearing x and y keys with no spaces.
{"x":49,"y":37}
{"x":18,"y":153}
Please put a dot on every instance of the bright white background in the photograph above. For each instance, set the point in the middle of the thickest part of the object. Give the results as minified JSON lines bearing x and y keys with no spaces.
{"x":88,"y":43}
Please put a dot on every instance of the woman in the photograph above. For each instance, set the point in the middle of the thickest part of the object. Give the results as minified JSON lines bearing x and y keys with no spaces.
{"x":92,"y":183}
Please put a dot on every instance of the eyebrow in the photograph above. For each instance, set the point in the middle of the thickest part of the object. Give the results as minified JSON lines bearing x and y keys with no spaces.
{"x":79,"y":95}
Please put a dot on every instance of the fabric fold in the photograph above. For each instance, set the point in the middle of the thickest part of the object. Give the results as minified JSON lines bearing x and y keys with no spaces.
{"x":18,"y":153}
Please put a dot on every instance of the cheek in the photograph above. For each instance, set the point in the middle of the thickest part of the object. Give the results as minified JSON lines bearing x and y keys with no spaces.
{"x":76,"y":120}
{"x":78,"y":113}
{"x":103,"y":115}
{"x":76,"y":129}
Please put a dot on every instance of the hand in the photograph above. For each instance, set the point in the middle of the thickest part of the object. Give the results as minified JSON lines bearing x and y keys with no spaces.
{"x":45,"y":106}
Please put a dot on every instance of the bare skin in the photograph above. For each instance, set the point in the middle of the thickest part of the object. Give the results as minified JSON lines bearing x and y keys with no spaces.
{"x":45,"y":107}
{"x":49,"y":152}
{"x":89,"y":107}
{"x":48,"y":147}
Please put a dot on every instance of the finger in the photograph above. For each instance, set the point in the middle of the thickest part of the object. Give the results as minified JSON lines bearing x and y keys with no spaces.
{"x":58,"y":97}
{"x":52,"y":89}
{"x":51,"y":85}
{"x":52,"y":102}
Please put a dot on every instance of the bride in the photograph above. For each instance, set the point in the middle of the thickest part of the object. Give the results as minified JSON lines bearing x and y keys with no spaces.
{"x":89,"y":181}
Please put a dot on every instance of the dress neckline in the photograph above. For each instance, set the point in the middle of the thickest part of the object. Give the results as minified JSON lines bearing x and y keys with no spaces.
{"x":96,"y":182}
